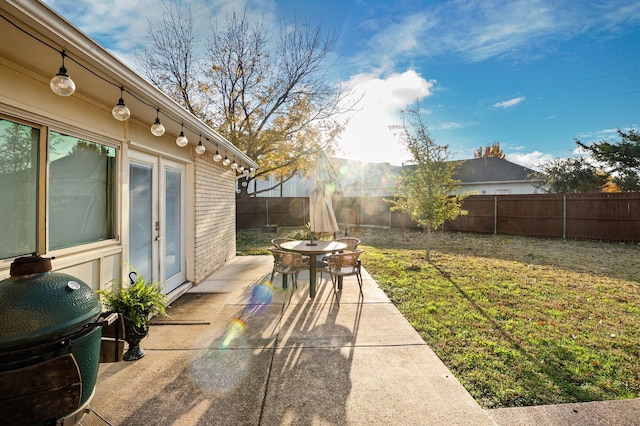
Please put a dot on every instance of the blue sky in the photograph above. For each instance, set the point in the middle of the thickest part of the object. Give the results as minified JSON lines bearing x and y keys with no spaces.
{"x":531,"y":74}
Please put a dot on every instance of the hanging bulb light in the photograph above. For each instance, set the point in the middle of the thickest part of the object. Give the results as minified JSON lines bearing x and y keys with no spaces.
{"x":234,"y":165}
{"x":246,"y":172}
{"x":61,"y":84}
{"x":157,"y":128}
{"x":240,"y":168}
{"x":226,"y":161}
{"x":120,"y":111}
{"x":182,"y":140}
{"x":200,"y":149}
{"x":217,"y":157}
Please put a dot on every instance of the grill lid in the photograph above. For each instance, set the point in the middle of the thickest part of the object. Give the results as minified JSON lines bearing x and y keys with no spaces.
{"x":37,"y":305}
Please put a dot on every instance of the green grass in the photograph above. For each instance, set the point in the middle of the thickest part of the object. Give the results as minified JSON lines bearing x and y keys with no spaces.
{"x":519,"y":321}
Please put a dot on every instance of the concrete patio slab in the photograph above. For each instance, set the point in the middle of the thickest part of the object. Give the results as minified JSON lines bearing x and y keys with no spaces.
{"x":338,"y":359}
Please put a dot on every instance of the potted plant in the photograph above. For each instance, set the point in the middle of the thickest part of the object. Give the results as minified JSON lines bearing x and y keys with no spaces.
{"x":136,"y":302}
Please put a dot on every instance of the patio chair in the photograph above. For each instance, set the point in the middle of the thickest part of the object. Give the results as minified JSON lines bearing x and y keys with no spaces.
{"x":277,"y":241}
{"x":288,"y":263}
{"x":340,"y":265}
{"x":352,"y":245}
{"x":351,"y":242}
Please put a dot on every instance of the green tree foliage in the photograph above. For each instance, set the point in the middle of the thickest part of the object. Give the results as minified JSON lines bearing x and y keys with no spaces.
{"x":426,"y":187}
{"x":569,"y":175}
{"x":622,"y":158}
{"x":271,"y":98}
{"x":493,"y":150}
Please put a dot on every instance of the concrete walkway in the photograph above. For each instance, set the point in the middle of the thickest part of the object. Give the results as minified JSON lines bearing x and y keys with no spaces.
{"x":338,"y":359}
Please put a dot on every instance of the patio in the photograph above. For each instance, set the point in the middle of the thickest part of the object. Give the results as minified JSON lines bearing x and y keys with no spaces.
{"x":336,"y":359}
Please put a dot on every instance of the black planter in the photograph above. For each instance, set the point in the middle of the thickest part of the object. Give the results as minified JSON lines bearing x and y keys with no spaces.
{"x":133,"y":335}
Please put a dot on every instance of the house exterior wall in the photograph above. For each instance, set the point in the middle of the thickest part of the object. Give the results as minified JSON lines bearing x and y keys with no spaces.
{"x":25,"y":95}
{"x":215,"y":212}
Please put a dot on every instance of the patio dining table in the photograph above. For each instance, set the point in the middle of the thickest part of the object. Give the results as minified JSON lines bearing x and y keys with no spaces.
{"x":312,"y":249}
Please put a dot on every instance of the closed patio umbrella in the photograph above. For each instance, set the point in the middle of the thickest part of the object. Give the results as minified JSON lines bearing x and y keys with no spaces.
{"x":322,"y":217}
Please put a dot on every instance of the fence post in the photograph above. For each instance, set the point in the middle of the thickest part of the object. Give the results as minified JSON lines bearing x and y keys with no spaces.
{"x":495,"y":214}
{"x":564,"y":217}
{"x":266,"y":202}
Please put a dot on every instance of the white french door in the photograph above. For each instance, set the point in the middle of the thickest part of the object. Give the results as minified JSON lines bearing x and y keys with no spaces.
{"x":156,"y":219}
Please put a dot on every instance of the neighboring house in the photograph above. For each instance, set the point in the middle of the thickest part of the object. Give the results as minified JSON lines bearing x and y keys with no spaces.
{"x":483,"y":176}
{"x":495,"y":176}
{"x":98,"y":194}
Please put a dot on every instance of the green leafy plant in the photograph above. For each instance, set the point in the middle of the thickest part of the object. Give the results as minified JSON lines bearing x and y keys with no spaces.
{"x":136,"y":301}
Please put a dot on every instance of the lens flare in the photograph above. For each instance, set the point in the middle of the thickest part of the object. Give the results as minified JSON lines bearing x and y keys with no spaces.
{"x":236,"y":328}
{"x":261,"y":296}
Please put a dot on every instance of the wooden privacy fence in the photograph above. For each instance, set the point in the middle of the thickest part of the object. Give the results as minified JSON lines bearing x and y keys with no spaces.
{"x":597,"y":216}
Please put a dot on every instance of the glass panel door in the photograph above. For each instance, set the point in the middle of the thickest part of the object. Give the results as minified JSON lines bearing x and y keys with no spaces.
{"x":172,"y":220}
{"x":156,"y":220}
{"x":141,"y":220}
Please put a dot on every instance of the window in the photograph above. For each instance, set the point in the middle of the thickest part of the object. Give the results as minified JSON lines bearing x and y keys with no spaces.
{"x":80,"y":184}
{"x":18,"y":188}
{"x":81,"y":191}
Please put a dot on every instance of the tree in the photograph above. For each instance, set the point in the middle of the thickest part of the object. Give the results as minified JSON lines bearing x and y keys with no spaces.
{"x":277,"y":105}
{"x":622,"y":158}
{"x":426,"y":187}
{"x":493,"y":150}
{"x":170,"y":61}
{"x":569,"y":175}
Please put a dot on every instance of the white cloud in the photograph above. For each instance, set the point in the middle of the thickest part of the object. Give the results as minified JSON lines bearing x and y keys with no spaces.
{"x":530,"y":159}
{"x":478,"y":30}
{"x":368,"y":137}
{"x":510,"y":103}
{"x":121,"y":25}
{"x":451,"y":125}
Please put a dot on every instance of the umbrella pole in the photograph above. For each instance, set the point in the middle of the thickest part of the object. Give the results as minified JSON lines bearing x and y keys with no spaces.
{"x":312,"y":243}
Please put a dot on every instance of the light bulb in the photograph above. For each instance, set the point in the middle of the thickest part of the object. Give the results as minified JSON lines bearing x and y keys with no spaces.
{"x":61,"y":84}
{"x":217,"y":157}
{"x":120,"y":111}
{"x":240,"y":169}
{"x":182,"y":140}
{"x":246,"y":171}
{"x":226,"y":161}
{"x":200,"y":149}
{"x":234,"y":165}
{"x":157,"y":128}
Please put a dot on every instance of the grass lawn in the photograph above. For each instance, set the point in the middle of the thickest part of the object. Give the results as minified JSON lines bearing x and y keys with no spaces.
{"x":519,"y":321}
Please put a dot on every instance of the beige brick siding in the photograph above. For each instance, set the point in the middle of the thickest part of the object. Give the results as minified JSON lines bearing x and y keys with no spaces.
{"x":215,"y":216}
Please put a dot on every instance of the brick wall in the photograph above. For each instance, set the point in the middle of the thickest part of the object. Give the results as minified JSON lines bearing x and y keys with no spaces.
{"x":215,"y":216}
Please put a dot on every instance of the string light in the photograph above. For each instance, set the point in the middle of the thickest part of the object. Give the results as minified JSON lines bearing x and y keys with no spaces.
{"x":200,"y":149}
{"x":217,"y":157}
{"x":234,"y":165}
{"x":226,"y":161}
{"x":182,"y":140}
{"x":61,"y":84}
{"x":157,"y":129}
{"x":120,"y":112}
